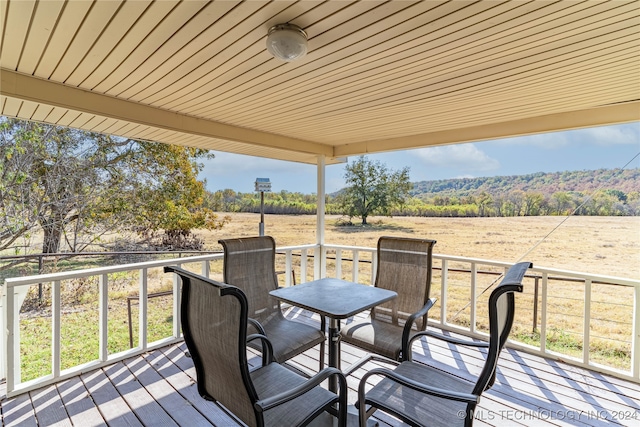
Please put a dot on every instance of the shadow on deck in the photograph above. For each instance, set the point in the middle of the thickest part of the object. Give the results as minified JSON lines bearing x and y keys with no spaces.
{"x":158,"y":388}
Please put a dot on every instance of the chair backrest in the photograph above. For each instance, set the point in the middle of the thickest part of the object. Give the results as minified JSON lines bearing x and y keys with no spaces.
{"x":249,"y":264}
{"x":214,"y":323}
{"x":501,"y":314}
{"x":404,"y":266}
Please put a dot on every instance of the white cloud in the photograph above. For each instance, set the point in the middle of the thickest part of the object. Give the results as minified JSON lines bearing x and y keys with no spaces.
{"x":609,"y":135}
{"x":547,"y":141}
{"x":466,"y":158}
{"x":601,"y":136}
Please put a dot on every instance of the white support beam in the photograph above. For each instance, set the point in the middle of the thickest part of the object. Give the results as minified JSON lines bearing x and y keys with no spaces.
{"x":626,"y":112}
{"x":320,"y":265}
{"x":29,"y":88}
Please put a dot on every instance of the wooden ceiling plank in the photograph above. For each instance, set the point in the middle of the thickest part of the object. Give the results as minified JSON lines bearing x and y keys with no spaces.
{"x":29,"y":88}
{"x":361,"y":33}
{"x":599,"y":116}
{"x":154,"y":38}
{"x":351,"y":126}
{"x":499,"y":108}
{"x":27,"y":109}
{"x":374,"y":78}
{"x":44,"y":22}
{"x":65,"y":29}
{"x":401,"y":47}
{"x":105,"y":124}
{"x":219,"y":74}
{"x":81,"y":121}
{"x":135,"y":35}
{"x":216,"y":46}
{"x":16,"y":27}
{"x":4,"y":6}
{"x":41,"y":112}
{"x":567,"y":73}
{"x":552,"y":58}
{"x":94,"y":122}
{"x":88,"y":33}
{"x":68,"y":117}
{"x":451,"y":117}
{"x":11,"y":107}
{"x":233,"y":53}
{"x":116,"y":28}
{"x":179,"y":50}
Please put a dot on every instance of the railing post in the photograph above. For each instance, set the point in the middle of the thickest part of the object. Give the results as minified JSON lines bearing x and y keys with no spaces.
{"x":635,"y":338}
{"x":303,"y":266}
{"x":535,"y":304}
{"x":586,"y":328}
{"x":176,"y":305}
{"x":56,"y":305}
{"x":287,"y":268}
{"x":543,"y":313}
{"x":143,"y":309}
{"x":338,"y":263}
{"x":474,"y":297}
{"x":443,"y":291}
{"x":356,"y":262}
{"x":104,"y":310}
{"x":374,"y":267}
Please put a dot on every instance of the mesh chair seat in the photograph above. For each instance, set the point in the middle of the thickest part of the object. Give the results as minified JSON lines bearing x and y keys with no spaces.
{"x":404,"y":266}
{"x":375,"y":336}
{"x":214,"y":319}
{"x":424,"y":396}
{"x":274,"y":379}
{"x":290,"y":338}
{"x":418,"y":407}
{"x":249,"y":263}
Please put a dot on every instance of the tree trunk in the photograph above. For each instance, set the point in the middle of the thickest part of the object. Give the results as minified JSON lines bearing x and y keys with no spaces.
{"x":364,"y":220}
{"x":51,"y":241}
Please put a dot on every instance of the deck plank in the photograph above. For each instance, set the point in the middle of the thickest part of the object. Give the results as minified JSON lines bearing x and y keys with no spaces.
{"x":159,"y":388}
{"x":18,"y":411}
{"x":137,"y":397}
{"x":49,"y":408}
{"x":112,"y":406}
{"x":78,"y":403}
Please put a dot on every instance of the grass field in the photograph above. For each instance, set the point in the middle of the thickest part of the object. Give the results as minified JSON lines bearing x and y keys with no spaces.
{"x":599,"y":245}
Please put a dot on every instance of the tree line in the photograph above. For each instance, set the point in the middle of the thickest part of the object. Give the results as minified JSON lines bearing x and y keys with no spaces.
{"x":481,"y":197}
{"x":514,"y":203}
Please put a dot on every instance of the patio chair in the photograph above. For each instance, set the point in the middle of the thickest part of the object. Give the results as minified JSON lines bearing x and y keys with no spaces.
{"x":214,"y":322}
{"x":422,"y":395}
{"x":249,"y":263}
{"x":404,"y":266}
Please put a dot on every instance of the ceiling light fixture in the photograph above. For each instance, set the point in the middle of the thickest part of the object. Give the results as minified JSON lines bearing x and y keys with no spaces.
{"x":287,"y":42}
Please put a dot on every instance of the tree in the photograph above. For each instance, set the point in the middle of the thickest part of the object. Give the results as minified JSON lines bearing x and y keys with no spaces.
{"x":75,"y":186}
{"x":373,"y":189}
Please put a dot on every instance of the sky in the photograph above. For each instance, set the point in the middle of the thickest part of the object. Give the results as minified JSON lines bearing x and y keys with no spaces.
{"x":585,"y":149}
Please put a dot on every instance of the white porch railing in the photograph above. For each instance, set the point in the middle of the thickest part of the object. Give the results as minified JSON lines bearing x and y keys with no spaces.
{"x":460,"y":293}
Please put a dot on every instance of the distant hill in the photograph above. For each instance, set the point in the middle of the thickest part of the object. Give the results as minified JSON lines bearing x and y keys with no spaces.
{"x":586,"y":181}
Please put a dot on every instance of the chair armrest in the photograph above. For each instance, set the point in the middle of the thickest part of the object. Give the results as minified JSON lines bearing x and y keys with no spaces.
{"x":452,"y":340}
{"x":257,"y":325}
{"x":406,"y":331}
{"x":267,"y":348}
{"x":414,"y":385}
{"x":316,"y":380}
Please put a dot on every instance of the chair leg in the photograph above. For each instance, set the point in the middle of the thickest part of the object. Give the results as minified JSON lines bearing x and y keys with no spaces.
{"x":322,"y":348}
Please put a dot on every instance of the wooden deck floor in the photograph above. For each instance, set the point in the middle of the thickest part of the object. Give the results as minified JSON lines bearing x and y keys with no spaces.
{"x":158,"y":389}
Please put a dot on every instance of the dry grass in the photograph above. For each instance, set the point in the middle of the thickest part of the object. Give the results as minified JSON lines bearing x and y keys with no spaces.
{"x":598,"y":245}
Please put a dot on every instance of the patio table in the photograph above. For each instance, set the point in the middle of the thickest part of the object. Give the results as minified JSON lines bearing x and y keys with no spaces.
{"x":336,"y":299}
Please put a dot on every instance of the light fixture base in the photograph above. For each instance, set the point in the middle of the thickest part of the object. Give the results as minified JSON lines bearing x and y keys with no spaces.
{"x":287,"y":42}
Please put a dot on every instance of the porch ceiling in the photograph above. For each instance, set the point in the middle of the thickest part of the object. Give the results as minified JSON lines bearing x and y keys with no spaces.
{"x":378,"y":76}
